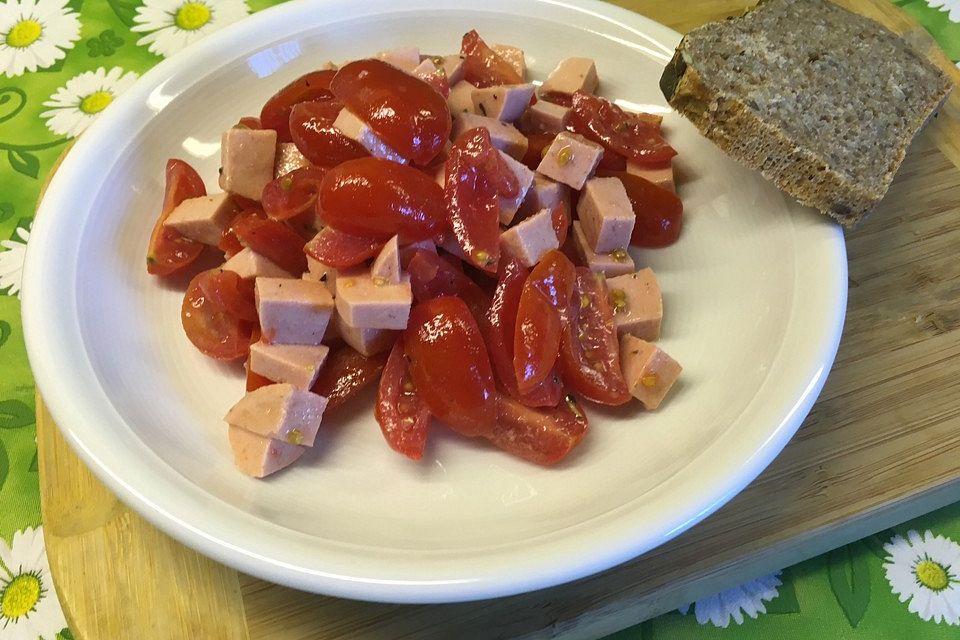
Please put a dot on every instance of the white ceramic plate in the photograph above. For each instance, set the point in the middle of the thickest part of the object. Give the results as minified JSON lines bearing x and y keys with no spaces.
{"x":754,"y":294}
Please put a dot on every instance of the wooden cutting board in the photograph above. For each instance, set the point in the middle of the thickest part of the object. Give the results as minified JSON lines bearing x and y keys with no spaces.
{"x":881,"y":445}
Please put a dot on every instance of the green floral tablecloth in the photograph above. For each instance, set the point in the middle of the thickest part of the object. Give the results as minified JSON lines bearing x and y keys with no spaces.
{"x":63,"y":61}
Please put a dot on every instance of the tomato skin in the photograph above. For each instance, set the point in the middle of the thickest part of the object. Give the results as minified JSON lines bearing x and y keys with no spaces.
{"x":276,"y":111}
{"x":211,"y":328}
{"x":537,"y":142}
{"x":590,"y":351}
{"x":168,"y":250}
{"x":312,"y":130}
{"x":449,"y":365}
{"x":293,"y":193}
{"x":637,"y":138}
{"x":341,"y":250}
{"x":273,"y":240}
{"x":482,"y":66}
{"x":405,"y":112}
{"x":401,"y":413}
{"x":542,"y":436}
{"x":433,"y":277}
{"x":230,"y":292}
{"x":229,"y":243}
{"x":560,"y":215}
{"x":346,"y":373}
{"x":659,"y":211}
{"x":378,"y":198}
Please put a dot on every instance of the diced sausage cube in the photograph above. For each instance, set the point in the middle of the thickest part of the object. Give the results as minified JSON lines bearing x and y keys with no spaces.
{"x":280,"y":411}
{"x":531,"y":239}
{"x":319,"y":272}
{"x":613,"y":264}
{"x":293,"y":311}
{"x":297,"y":364}
{"x":257,"y":456}
{"x":648,"y":370}
{"x":661,"y":176}
{"x":509,"y":206}
{"x":514,"y":56}
{"x":369,"y":303}
{"x":637,"y":304}
{"x":571,"y":75}
{"x":288,"y":159}
{"x":203,"y":219}
{"x":247,"y":158}
{"x":356,"y":129}
{"x":387,"y":264}
{"x":368,"y":342}
{"x":570,"y":159}
{"x":247,"y":263}
{"x":606,"y":214}
{"x":503,"y":102}
{"x":504,"y":136}
{"x":405,"y":58}
{"x":543,"y":194}
{"x":460,"y":99}
{"x":546,"y":117}
{"x":451,"y":65}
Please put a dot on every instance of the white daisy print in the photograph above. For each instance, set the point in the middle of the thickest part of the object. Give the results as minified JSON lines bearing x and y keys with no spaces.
{"x":76,"y":104}
{"x":34,"y":34}
{"x":926,"y":571}
{"x":952,"y":6}
{"x":748,"y":598}
{"x":29,"y":608}
{"x":171,"y":25}
{"x":11,"y":261}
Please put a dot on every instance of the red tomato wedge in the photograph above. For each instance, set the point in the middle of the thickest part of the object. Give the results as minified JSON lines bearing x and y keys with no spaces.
{"x":535,"y":149}
{"x":542,"y":436}
{"x":250,"y":122}
{"x":637,"y":138}
{"x":228,"y":291}
{"x":590,"y":351}
{"x":484,"y":67}
{"x":659,"y":211}
{"x":346,"y":373}
{"x":293,"y":193}
{"x":405,"y":112}
{"x":169,"y":251}
{"x":276,"y":112}
{"x":210,"y":327}
{"x":229,"y":243}
{"x":341,"y":250}
{"x":433,"y":277}
{"x":401,"y":413}
{"x":543,"y":304}
{"x":312,"y":130}
{"x":560,"y":215}
{"x":476,"y":178}
{"x":449,"y":365}
{"x":499,"y":329}
{"x":273,"y":240}
{"x":378,"y":198}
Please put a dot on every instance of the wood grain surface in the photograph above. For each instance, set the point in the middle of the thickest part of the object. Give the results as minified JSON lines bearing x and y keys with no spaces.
{"x":881,"y":445}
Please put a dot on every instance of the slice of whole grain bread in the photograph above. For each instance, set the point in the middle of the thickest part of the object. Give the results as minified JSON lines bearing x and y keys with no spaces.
{"x":821,"y":101}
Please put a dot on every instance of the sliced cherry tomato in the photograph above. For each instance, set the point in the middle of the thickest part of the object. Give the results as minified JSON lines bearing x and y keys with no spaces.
{"x":211,"y":328}
{"x":433,"y":277}
{"x":169,"y":251}
{"x":476,"y":178}
{"x":312,"y":130}
{"x":543,"y":306}
{"x":405,"y":112}
{"x":543,"y":436}
{"x":535,"y":149}
{"x":659,"y":211}
{"x":612,"y":161}
{"x":341,"y":250}
{"x":484,"y":67}
{"x":449,"y":365}
{"x":499,"y":329}
{"x":276,"y":112}
{"x":273,"y":240}
{"x":231,"y":293}
{"x":292,"y":193}
{"x":246,"y":204}
{"x":378,"y":198}
{"x":558,"y":97}
{"x":229,"y":243}
{"x":250,"y":122}
{"x":560,"y":215}
{"x":346,"y":373}
{"x":590,"y":351}
{"x":600,"y":120}
{"x":402,"y":414}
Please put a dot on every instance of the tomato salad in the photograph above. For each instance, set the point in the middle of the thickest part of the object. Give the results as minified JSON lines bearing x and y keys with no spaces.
{"x":439,"y":226}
